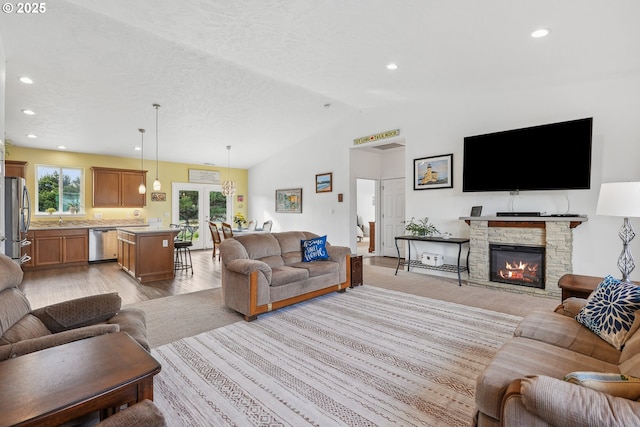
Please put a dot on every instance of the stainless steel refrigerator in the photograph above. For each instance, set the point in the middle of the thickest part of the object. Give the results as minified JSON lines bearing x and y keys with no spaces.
{"x":17,"y":215}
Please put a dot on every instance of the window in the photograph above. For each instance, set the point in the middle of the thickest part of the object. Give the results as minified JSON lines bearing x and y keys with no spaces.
{"x":60,"y":190}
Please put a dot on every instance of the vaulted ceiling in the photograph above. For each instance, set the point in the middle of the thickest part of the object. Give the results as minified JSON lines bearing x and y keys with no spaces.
{"x":260,"y":75}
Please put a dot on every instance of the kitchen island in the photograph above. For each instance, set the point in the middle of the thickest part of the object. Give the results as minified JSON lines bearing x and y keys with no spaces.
{"x":146,"y":253}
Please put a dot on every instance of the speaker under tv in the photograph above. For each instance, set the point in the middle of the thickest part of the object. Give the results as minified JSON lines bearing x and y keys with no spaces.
{"x":554,"y":156}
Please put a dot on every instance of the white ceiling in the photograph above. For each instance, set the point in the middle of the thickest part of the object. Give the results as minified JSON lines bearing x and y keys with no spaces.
{"x":256,"y":74}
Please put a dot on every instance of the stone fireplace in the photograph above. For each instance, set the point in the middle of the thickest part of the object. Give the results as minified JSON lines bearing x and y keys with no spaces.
{"x":553,"y":234}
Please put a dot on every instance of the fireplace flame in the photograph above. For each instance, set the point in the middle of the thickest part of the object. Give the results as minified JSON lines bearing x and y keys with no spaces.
{"x":518,"y":270}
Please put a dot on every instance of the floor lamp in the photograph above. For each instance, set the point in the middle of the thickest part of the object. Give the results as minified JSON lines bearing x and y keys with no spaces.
{"x":621,"y":199}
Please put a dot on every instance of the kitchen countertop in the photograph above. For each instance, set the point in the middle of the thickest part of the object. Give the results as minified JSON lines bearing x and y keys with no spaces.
{"x":148,"y":230}
{"x":99,"y":223}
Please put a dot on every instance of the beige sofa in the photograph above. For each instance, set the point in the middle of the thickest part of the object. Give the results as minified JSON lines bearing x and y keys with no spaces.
{"x":264,"y":271}
{"x":523,"y":384}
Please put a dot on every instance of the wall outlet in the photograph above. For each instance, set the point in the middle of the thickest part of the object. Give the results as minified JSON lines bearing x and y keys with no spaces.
{"x":165,"y":243}
{"x":97,"y":216}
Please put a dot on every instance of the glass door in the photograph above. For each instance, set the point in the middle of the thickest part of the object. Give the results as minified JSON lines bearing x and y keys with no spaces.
{"x":195,"y":205}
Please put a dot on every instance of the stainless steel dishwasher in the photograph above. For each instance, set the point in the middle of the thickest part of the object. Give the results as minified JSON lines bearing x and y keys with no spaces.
{"x":103,"y":244}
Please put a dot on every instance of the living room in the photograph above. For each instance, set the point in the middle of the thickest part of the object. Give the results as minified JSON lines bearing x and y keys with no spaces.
{"x":592,"y":72}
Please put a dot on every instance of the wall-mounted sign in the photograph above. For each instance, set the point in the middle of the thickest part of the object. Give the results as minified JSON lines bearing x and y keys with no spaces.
{"x":204,"y":176}
{"x":376,"y":137}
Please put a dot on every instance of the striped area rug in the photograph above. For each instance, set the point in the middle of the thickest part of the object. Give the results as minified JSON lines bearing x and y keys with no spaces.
{"x":368,"y":357}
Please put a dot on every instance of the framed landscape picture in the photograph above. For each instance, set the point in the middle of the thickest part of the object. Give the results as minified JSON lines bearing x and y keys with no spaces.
{"x":433,"y":172}
{"x":289,"y":200}
{"x":324,"y":182}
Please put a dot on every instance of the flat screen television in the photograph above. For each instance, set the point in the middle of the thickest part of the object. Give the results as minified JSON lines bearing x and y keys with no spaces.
{"x":554,"y":156}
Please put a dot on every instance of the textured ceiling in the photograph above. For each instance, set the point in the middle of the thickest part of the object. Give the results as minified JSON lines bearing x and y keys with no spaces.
{"x":256,"y":74}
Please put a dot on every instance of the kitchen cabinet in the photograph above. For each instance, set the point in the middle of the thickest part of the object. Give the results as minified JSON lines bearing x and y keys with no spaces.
{"x":61,"y":247}
{"x":146,"y":253}
{"x":15,"y":168}
{"x":118,"y":188}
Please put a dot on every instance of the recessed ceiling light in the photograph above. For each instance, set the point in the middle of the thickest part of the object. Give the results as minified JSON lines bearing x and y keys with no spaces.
{"x":327,"y":105}
{"x":28,"y":112}
{"x":26,"y":80}
{"x":61,"y":147}
{"x":32,"y":136}
{"x":392,"y":66}
{"x":540,"y":32}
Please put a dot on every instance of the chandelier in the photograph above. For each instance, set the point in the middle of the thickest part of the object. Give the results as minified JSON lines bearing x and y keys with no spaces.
{"x":142,"y":189}
{"x":228,"y":187}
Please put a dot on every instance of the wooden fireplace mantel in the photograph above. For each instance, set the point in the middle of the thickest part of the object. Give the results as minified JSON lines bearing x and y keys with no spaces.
{"x":525,"y":222}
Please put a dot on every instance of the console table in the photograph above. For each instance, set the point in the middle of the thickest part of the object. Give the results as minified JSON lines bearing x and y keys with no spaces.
{"x":55,"y":385}
{"x":451,"y":268}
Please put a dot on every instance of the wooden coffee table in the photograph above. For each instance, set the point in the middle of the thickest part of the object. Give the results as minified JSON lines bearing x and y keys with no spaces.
{"x":58,"y":384}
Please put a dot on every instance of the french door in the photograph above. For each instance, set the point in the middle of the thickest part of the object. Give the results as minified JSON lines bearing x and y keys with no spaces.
{"x":196,"y":205}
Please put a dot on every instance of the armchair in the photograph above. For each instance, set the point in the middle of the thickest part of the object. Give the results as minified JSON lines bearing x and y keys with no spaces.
{"x":23,"y":330}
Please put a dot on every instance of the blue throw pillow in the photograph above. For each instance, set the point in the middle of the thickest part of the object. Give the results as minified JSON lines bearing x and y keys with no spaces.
{"x":611,"y":310}
{"x":314,"y":249}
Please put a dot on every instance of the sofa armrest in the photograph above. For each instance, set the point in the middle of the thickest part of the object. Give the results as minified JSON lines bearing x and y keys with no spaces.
{"x":561,"y":403}
{"x":35,"y":344}
{"x":571,"y":306}
{"x":79,"y":312}
{"x":248,"y":266}
{"x":339,"y":255}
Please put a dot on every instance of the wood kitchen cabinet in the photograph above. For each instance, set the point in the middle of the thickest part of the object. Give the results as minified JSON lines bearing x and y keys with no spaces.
{"x":62,"y":247}
{"x":118,"y":188}
{"x":15,"y":168}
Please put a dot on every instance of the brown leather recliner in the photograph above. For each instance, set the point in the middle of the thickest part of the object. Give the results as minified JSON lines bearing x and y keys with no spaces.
{"x":23,"y":330}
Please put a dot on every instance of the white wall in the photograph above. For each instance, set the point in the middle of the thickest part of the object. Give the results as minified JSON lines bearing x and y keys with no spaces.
{"x":438,"y":126}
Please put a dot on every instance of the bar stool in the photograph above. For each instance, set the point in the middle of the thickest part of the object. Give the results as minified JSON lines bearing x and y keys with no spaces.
{"x":182,"y":247}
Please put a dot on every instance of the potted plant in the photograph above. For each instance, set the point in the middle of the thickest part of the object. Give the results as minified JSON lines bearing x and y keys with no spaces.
{"x":50,"y":211}
{"x":421,"y":227}
{"x":239,"y":220}
{"x":74,"y":207}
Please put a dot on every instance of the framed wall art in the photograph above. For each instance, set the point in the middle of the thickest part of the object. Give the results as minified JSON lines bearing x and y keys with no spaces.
{"x":158,"y":197}
{"x":433,"y":172}
{"x":289,"y":200}
{"x":324,"y":182}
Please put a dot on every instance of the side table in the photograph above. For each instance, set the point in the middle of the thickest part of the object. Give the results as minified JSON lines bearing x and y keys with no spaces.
{"x":55,"y":385}
{"x":576,"y":285}
{"x":356,"y":270}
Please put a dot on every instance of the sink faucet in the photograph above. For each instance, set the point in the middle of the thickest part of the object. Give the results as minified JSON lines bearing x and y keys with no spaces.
{"x":60,"y":220}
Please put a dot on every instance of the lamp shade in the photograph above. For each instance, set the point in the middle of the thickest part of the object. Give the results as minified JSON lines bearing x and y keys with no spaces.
{"x":619,"y":199}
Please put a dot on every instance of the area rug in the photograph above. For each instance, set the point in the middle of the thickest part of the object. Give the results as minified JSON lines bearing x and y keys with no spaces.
{"x":367,"y":357}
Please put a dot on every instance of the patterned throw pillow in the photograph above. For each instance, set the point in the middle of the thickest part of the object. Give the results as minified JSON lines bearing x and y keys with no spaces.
{"x":314,"y":249}
{"x":611,"y":310}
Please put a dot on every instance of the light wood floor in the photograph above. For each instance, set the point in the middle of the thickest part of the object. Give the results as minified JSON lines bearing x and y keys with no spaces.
{"x":50,"y":286}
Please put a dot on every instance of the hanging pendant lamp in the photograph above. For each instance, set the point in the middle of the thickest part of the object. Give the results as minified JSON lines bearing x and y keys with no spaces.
{"x":157,"y":186}
{"x":228,"y":187}
{"x":142,"y":189}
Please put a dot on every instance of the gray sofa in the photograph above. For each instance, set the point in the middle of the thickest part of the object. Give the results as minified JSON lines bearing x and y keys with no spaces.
{"x":264,"y":271}
{"x":523,"y":384}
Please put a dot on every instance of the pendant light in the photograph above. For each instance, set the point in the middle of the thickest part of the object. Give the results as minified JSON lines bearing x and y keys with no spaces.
{"x":142,"y":189}
{"x":228,"y":187}
{"x":157,"y":186}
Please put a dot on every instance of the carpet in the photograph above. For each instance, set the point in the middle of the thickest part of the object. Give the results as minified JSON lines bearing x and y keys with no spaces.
{"x":167,"y":322}
{"x":367,"y":357}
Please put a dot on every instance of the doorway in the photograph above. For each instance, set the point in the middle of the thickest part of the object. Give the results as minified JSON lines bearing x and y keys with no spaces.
{"x":366,"y":207}
{"x":196,"y":205}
